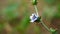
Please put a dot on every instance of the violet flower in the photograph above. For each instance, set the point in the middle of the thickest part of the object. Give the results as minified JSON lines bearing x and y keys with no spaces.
{"x":34,"y":17}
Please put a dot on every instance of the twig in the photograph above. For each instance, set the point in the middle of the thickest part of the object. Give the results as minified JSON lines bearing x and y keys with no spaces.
{"x":41,"y":19}
{"x":45,"y":25}
{"x":36,"y":10}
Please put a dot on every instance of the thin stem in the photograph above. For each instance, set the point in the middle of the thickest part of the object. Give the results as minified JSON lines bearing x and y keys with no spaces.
{"x":45,"y":25}
{"x":41,"y":19}
{"x":35,"y":7}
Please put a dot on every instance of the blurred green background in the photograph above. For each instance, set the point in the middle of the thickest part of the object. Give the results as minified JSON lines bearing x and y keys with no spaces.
{"x":14,"y":16}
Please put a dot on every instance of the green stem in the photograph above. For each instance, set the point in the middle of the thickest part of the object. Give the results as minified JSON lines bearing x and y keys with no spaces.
{"x":41,"y":19}
{"x":45,"y":25}
{"x":35,"y":7}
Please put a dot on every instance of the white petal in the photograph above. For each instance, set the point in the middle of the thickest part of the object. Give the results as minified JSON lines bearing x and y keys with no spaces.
{"x":30,"y":17}
{"x":32,"y":21}
{"x":33,"y":14}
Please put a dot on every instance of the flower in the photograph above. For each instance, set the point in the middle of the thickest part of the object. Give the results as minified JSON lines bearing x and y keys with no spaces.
{"x":34,"y":17}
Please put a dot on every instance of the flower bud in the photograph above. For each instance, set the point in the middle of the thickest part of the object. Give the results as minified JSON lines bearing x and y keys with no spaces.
{"x":34,"y":2}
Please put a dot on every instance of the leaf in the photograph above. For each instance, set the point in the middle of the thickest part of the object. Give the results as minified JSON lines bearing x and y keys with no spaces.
{"x":25,"y":21}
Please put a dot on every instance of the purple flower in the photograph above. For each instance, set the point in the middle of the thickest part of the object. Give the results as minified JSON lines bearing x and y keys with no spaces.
{"x":34,"y":17}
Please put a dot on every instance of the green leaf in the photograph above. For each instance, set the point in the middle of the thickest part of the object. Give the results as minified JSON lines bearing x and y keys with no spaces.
{"x":25,"y":21}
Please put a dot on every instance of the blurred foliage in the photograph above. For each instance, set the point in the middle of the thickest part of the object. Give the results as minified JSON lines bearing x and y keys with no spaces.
{"x":1,"y":27}
{"x":11,"y":12}
{"x":37,"y":29}
{"x":50,"y":1}
{"x":57,"y":15}
{"x":24,"y":23}
{"x":48,"y":13}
